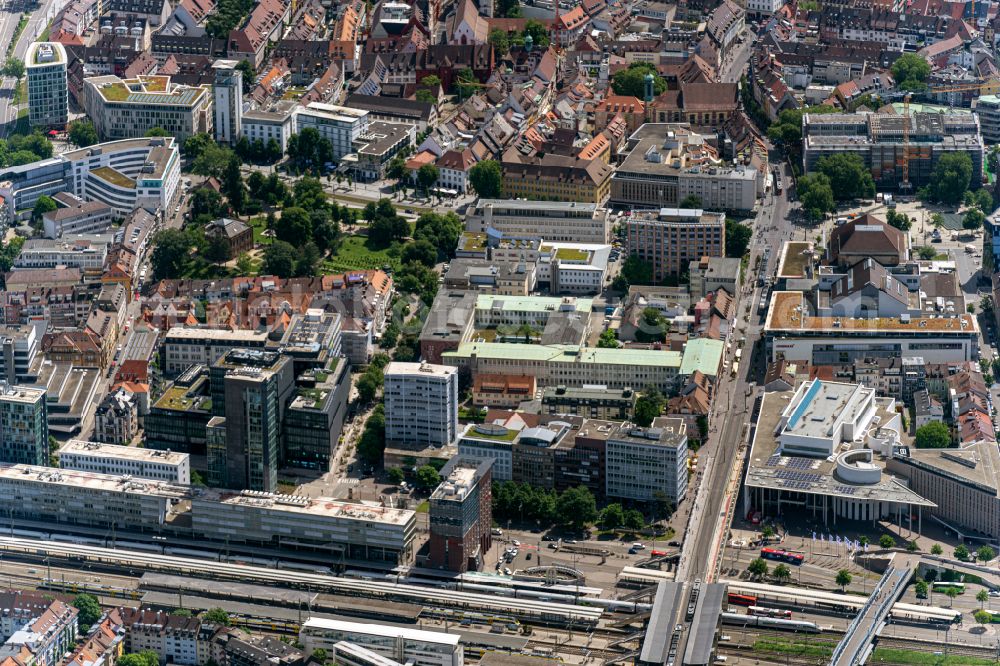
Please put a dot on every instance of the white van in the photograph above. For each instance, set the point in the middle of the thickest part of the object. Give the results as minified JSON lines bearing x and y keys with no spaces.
{"x":496,"y":531}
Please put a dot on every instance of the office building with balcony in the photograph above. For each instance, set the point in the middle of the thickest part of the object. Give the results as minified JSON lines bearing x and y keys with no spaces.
{"x":24,"y":430}
{"x":674,"y":237}
{"x":45,"y":65}
{"x":250,"y":389}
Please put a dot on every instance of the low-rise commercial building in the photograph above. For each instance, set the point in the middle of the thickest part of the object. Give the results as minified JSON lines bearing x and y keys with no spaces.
{"x":592,"y":402}
{"x":880,"y":140}
{"x":375,"y":148}
{"x":84,"y":456}
{"x":792,"y":332}
{"x":566,"y":221}
{"x":183,"y":347}
{"x":555,"y":365}
{"x":401,"y":644}
{"x":42,"y":253}
{"x":670,"y":240}
{"x":341,"y":125}
{"x":82,"y":217}
{"x":669,"y":162}
{"x":127,"y":109}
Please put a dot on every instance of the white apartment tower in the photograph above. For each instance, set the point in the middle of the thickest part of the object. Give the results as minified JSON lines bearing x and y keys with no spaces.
{"x":421,"y":404}
{"x":227,"y":92}
{"x":48,"y":93}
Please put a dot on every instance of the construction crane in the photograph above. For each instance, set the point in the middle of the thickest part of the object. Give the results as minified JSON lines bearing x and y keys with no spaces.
{"x":987,"y":87}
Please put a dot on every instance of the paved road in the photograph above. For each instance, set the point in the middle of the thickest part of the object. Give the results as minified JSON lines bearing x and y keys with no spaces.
{"x":711,"y":496}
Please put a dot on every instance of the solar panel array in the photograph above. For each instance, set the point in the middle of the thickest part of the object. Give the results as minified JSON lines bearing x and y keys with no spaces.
{"x":797,"y":485}
{"x":774,"y":460}
{"x":791,"y":475}
{"x":799,"y":463}
{"x":845,"y":490}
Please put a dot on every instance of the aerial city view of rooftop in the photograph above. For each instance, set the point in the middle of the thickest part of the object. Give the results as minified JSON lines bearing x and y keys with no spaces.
{"x":499,"y":332}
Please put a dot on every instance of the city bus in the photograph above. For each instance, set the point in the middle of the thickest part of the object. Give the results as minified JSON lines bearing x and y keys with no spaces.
{"x":942,"y":586}
{"x":742,"y":599}
{"x":781,"y":556}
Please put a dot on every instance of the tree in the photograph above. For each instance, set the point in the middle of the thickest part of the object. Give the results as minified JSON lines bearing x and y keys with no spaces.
{"x":249,"y":75}
{"x":427,"y":478}
{"x":648,"y":406}
{"x":613,"y":516}
{"x":420,"y":251}
{"x":973,"y":219}
{"x":985,"y":554}
{"x":926,"y":252}
{"x":849,"y":178}
{"x":82,"y":133}
{"x":395,"y":475}
{"x":757,"y":568}
{"x":465,"y":83}
{"x":171,"y":248}
{"x":936,"y":549}
{"x":982,"y":616}
{"x":425,"y":96}
{"x":427,"y":176}
{"x":309,"y":257}
{"x":608,"y":340}
{"x":576,"y":507}
{"x":634,"y":520}
{"x":232,"y":181}
{"x":486,"y":178}
{"x":279,"y":259}
{"x":637,"y":271}
{"x":816,"y":195}
{"x":13,"y":68}
{"x":767,"y":532}
{"x":844,"y":579}
{"x":217,"y":249}
{"x":920,"y":587}
{"x":690,"y":201}
{"x":216,"y":616}
{"x":89,"y":609}
{"x":319,"y":655}
{"x":157,"y":131}
{"x":900,"y":221}
{"x":144,"y":658}
{"x":951,"y":177}
{"x":431,"y":81}
{"x":631,"y":82}
{"x":912,"y":547}
{"x":44,"y":205}
{"x":508,"y":9}
{"x":196,"y":144}
{"x":653,"y":326}
{"x":737,"y":238}
{"x":782,"y":573}
{"x":951,"y":593}
{"x":910,"y":71}
{"x":982,"y":596}
{"x":934,"y":435}
{"x":294,"y":227}
{"x":886,"y":542}
{"x":983,"y":200}
{"x":371,"y":445}
{"x":538,"y":32}
{"x":244,"y":265}
{"x":786,"y":132}
{"x":441,"y":231}
{"x":499,"y":41}
{"x":961,"y":552}
{"x":213,"y":161}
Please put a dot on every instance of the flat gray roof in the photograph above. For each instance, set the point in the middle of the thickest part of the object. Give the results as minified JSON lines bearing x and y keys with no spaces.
{"x":703,"y":627}
{"x":660,"y":630}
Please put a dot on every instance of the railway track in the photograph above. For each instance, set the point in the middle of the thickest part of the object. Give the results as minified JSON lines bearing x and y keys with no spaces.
{"x":920,"y":645}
